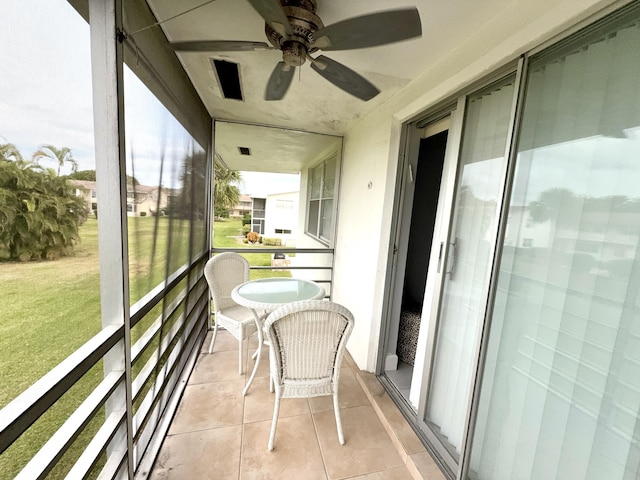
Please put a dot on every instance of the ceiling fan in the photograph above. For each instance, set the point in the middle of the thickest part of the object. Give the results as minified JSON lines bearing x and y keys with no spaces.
{"x":293,"y":27}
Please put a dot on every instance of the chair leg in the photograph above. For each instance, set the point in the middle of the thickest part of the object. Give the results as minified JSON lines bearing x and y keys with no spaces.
{"x":240,"y":350}
{"x":336,"y":409}
{"x":274,"y":422}
{"x":213,"y":337}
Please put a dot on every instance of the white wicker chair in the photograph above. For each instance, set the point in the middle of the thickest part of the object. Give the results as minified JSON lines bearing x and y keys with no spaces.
{"x":224,"y":272}
{"x":306,"y":344}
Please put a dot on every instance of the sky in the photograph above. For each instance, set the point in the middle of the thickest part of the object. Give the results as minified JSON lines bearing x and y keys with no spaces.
{"x":46,"y":98}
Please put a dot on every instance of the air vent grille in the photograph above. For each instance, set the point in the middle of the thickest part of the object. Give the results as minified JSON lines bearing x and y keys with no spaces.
{"x":228,"y":74}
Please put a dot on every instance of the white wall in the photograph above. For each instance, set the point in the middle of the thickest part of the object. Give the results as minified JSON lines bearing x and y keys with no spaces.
{"x":278,"y":217}
{"x":371,"y":150}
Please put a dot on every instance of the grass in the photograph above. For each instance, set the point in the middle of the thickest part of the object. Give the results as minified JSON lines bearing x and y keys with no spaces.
{"x":227,"y":234}
{"x":49,"y":309}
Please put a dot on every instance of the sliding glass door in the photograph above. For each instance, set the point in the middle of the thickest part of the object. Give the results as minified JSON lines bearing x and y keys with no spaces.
{"x":560,"y":395}
{"x":467,"y":256}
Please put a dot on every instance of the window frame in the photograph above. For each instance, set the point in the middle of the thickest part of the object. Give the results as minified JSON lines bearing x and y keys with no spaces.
{"x":322,"y":199}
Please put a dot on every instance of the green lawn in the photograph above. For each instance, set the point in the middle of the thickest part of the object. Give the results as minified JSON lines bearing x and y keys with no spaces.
{"x":226,"y":234}
{"x":49,"y":309}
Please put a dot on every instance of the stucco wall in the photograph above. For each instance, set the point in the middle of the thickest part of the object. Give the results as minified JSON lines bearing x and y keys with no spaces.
{"x":371,"y":150}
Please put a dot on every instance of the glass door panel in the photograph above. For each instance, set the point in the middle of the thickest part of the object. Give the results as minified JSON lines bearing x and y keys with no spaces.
{"x":479,"y":186}
{"x":560,"y":394}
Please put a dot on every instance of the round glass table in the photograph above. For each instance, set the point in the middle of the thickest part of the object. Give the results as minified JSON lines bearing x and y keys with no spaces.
{"x":265,"y":295}
{"x":270,"y":293}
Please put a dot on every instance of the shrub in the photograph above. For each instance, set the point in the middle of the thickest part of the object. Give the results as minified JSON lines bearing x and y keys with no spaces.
{"x":39,"y":213}
{"x":253,"y":237}
{"x":143,"y":214}
{"x":246,"y":229}
{"x":272,"y":242}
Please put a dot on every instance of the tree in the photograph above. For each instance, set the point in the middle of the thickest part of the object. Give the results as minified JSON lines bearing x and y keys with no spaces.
{"x":220,"y":211}
{"x":39,"y":212}
{"x":226,"y":194}
{"x":8,"y":151}
{"x":59,"y":155}
{"x":86,"y":175}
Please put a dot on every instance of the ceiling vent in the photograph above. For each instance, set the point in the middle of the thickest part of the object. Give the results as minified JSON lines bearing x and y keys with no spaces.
{"x":244,"y":150}
{"x":228,"y":75}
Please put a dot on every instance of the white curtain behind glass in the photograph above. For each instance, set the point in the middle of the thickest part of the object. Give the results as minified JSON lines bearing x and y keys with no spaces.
{"x":462,"y":311}
{"x":561,"y":393}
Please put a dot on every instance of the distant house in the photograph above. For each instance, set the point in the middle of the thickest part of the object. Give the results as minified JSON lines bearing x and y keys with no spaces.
{"x":258,"y":213}
{"x":276,"y":215}
{"x":244,"y":205}
{"x":88,"y":192}
{"x":281,"y":215}
{"x":142,"y":200}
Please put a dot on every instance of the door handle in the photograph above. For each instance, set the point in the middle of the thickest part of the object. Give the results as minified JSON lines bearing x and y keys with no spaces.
{"x":452,"y":256}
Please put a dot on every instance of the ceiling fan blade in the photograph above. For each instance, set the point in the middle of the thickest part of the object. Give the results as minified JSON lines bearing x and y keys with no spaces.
{"x":344,"y":78}
{"x":220,"y":46}
{"x":370,"y":30}
{"x":279,"y":81}
{"x":274,"y":15}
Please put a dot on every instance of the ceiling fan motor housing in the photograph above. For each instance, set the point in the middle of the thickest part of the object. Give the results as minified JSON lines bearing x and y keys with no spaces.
{"x":304,"y":23}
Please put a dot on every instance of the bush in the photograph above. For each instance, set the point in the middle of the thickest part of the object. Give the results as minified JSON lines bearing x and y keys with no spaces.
{"x":143,"y":214}
{"x":272,"y":242}
{"x":253,"y":237}
{"x":39,"y":213}
{"x":246,"y":229}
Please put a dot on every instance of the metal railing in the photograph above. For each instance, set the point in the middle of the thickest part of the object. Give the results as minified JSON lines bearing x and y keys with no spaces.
{"x":318,"y":269}
{"x":174,"y":319}
{"x":174,"y":316}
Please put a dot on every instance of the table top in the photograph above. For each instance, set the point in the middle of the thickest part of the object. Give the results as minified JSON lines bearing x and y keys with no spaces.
{"x":270,"y":293}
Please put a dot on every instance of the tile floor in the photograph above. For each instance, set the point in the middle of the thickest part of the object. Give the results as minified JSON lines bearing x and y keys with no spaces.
{"x":219,"y":434}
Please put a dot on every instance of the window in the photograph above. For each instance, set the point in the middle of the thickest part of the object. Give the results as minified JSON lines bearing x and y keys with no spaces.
{"x":283,"y":231}
{"x":527,"y":242}
{"x":322,"y":179}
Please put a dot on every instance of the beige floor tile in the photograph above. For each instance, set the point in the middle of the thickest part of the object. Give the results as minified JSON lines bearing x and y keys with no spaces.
{"x":225,"y":342}
{"x":349,"y":359}
{"x":408,"y":439}
{"x":371,"y":384}
{"x":424,"y":466}
{"x":212,"y":409}
{"x":397,"y":473}
{"x":350,"y":394}
{"x":258,"y":404}
{"x":296,"y":454}
{"x":368,"y":448}
{"x":209,"y":405}
{"x":218,"y":366}
{"x":202,"y":455}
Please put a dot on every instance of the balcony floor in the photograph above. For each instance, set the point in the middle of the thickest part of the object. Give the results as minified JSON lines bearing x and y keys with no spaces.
{"x":218,"y":433}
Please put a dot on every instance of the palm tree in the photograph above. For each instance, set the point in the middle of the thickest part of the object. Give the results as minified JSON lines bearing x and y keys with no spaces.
{"x":8,"y":151}
{"x":60,"y":155}
{"x":226,"y":194}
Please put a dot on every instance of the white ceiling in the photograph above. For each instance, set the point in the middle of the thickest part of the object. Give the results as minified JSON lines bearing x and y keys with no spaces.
{"x":312,"y":104}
